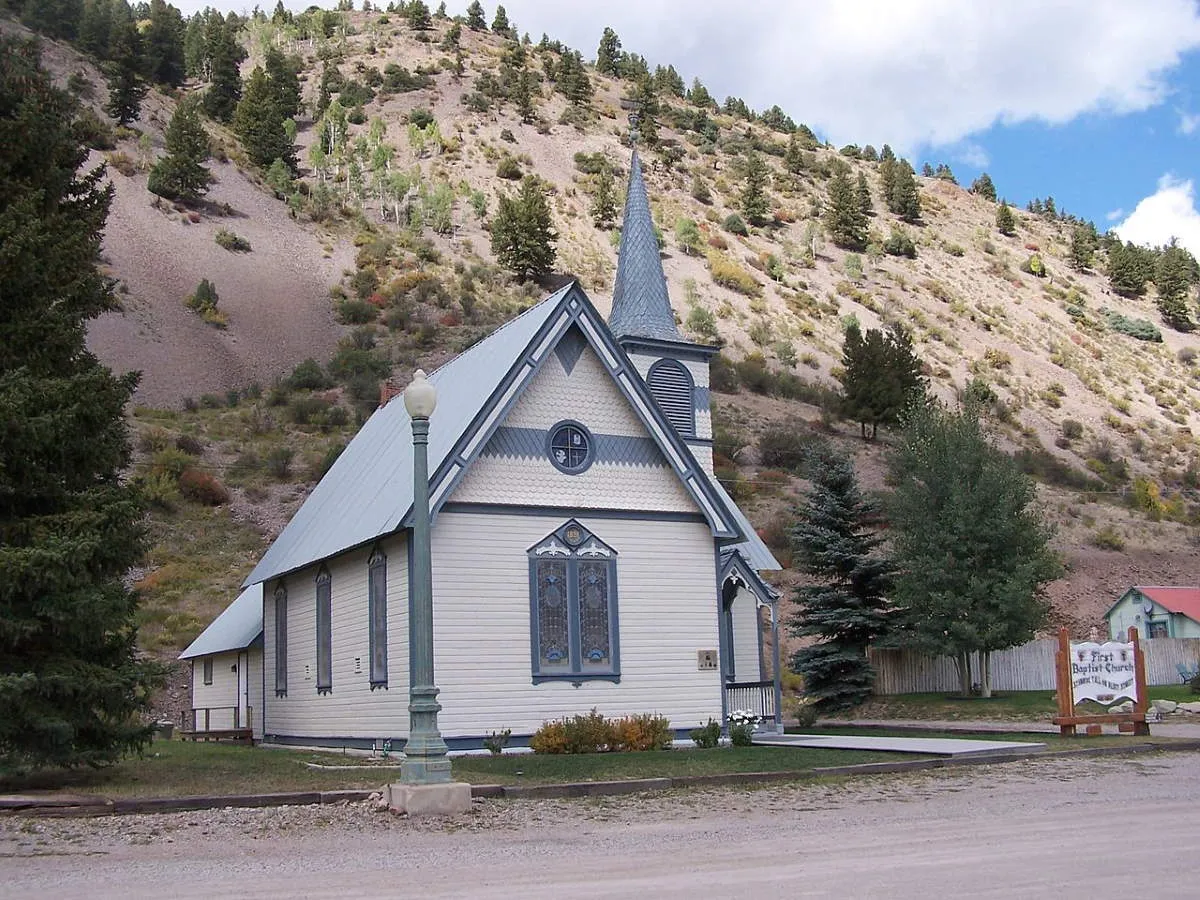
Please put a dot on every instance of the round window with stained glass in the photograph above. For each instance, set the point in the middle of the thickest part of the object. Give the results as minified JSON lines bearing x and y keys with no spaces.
{"x":570,"y":447}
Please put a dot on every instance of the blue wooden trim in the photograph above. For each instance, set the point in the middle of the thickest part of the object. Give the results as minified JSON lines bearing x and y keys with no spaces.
{"x":376,"y":569}
{"x":576,"y":672}
{"x":519,"y":509}
{"x":698,"y":441}
{"x":589,"y":457}
{"x":678,"y":349}
{"x":517,"y":442}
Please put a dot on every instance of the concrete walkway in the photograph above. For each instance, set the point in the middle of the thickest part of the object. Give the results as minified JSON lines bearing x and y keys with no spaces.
{"x":955,"y":747}
{"x":1169,"y":727}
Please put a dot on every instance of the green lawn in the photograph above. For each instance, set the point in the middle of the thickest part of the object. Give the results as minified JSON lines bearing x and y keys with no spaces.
{"x":181,"y":768}
{"x":1028,"y":705}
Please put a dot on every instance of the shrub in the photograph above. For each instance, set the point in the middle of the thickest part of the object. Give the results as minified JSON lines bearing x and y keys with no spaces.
{"x":189,"y":444}
{"x":232,"y":242}
{"x":735,"y":225}
{"x":509,"y":168}
{"x":1072,"y":429}
{"x":279,"y":462}
{"x":706,"y":736}
{"x":91,"y":131}
{"x":122,"y":162}
{"x":702,"y":323}
{"x":303,"y":410}
{"x":642,"y":732}
{"x":784,"y":446}
{"x":591,"y":163}
{"x":356,"y":312}
{"x":308,"y":376}
{"x":496,"y":741}
{"x":421,"y":117}
{"x":204,"y":302}
{"x":158,"y":489}
{"x":900,"y":244}
{"x":727,"y":273}
{"x":1134,"y":328}
{"x":202,"y":488}
{"x":1108,"y":538}
{"x":1034,"y":266}
{"x":723,"y":375}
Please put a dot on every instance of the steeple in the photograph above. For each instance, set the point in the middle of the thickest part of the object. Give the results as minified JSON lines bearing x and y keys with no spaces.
{"x":641,"y":307}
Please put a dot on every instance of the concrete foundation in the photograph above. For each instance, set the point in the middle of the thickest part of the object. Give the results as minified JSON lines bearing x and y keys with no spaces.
{"x":448,"y":799}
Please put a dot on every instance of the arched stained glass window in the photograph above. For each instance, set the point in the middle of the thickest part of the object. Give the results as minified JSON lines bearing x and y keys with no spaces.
{"x":573,"y":606}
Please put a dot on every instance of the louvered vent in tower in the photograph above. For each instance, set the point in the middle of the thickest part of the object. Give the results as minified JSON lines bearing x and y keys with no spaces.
{"x":671,"y":386}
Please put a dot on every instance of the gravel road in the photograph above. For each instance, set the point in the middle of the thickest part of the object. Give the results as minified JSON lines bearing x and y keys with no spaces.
{"x":1101,"y":827}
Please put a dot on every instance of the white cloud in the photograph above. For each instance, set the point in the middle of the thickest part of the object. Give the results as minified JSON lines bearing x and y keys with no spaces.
{"x":969,"y":153}
{"x":1170,"y":212}
{"x":1113,"y":215}
{"x":1188,"y":122}
{"x":912,"y":73}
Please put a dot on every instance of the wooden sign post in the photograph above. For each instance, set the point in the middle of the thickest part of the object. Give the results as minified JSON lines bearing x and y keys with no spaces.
{"x":1131,"y":722}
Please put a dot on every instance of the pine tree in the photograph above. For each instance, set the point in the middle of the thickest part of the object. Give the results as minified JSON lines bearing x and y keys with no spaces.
{"x":793,"y":156}
{"x":904,"y":199}
{"x":647,"y":105}
{"x":163,"y":45}
{"x":983,"y":187}
{"x":1083,"y":247}
{"x":881,"y":376}
{"x":862,"y":191}
{"x":844,"y":216}
{"x":259,"y":125}
{"x":604,"y":203}
{"x":699,"y":96}
{"x":73,"y":689}
{"x":1129,"y":268}
{"x":523,"y":97}
{"x":126,"y":89}
{"x":754,"y":201}
{"x":1173,"y":278}
{"x":95,"y":27}
{"x":181,"y":175}
{"x":500,"y":24}
{"x":225,"y":90}
{"x":1006,"y":222}
{"x":418,"y":16}
{"x":522,"y":231}
{"x":835,"y":545}
{"x":971,"y":549}
{"x":475,"y":18}
{"x":608,"y":55}
{"x":285,"y":82}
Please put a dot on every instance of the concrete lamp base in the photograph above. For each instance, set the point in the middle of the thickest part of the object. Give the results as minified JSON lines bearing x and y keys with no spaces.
{"x":448,"y":799}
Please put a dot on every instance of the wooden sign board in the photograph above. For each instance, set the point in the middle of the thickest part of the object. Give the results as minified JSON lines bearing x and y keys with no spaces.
{"x":1104,"y":673}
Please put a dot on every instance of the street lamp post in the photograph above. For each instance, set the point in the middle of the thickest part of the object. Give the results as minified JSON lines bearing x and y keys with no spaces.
{"x":425,"y":759}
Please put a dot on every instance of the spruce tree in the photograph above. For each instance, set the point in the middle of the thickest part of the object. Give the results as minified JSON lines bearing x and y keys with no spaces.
{"x":793,"y":156}
{"x":522,"y":231}
{"x":1129,"y":268}
{"x":475,"y":19}
{"x":73,"y":689}
{"x":609,"y":53}
{"x":181,"y":175}
{"x":845,"y":607}
{"x":699,"y":96}
{"x":604,"y":203}
{"x":1083,"y":247}
{"x":844,"y":216}
{"x":1006,"y":222}
{"x":754,"y":201}
{"x":259,"y":124}
{"x":418,"y":16}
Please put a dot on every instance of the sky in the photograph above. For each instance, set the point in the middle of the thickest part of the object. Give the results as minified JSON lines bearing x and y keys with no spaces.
{"x":1093,"y":102}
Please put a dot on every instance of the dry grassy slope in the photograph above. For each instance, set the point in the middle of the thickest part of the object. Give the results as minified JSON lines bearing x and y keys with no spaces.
{"x":276,"y":297}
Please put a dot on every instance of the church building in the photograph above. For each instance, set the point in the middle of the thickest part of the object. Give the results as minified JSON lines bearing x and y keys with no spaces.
{"x":584,"y":555}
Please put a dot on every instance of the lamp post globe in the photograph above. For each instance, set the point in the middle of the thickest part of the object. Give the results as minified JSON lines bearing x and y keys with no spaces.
{"x":420,"y":397}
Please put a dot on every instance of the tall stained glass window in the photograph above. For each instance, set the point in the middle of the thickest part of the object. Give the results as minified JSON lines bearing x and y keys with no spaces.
{"x":324,"y":632}
{"x":573,"y":606}
{"x":377,"y":601}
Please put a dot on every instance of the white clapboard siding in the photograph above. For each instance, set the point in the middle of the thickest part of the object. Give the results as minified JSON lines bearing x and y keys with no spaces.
{"x":746,"y":663}
{"x":351,"y":709}
{"x":1029,"y":667}
{"x":221,"y":696}
{"x":667,"y":607}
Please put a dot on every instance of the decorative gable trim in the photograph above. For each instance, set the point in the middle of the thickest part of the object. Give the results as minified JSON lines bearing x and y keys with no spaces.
{"x":577,"y":310}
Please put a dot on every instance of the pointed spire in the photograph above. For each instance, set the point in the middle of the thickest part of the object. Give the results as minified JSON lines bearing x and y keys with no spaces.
{"x":641,"y":307}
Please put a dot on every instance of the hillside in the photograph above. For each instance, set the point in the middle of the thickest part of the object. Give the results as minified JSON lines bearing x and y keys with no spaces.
{"x":377,"y":267}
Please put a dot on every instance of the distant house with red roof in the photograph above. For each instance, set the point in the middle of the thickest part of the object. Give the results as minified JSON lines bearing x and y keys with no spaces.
{"x":1156,"y":612}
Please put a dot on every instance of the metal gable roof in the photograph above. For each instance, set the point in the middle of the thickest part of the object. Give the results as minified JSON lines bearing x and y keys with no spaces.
{"x":753,"y":550}
{"x":641,"y":306}
{"x":235,"y":629}
{"x":368,"y":490}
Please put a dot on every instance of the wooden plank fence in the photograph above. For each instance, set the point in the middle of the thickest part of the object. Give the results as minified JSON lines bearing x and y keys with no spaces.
{"x":1029,"y":667}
